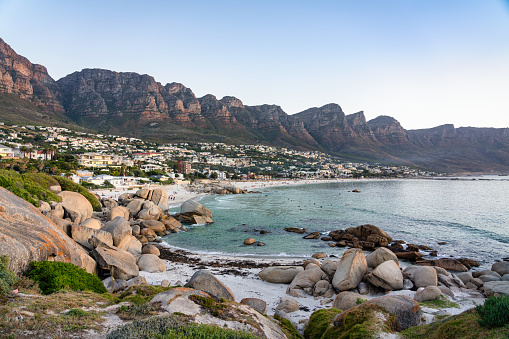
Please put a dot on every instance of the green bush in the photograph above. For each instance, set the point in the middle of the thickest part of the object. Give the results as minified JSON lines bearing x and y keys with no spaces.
{"x":7,"y":278}
{"x":494,"y":312}
{"x":175,"y":327}
{"x":319,"y":322}
{"x":54,"y":276}
{"x":30,"y":187}
{"x":69,"y":185}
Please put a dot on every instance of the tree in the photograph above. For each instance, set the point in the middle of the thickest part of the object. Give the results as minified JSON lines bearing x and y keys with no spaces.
{"x":214,"y":175}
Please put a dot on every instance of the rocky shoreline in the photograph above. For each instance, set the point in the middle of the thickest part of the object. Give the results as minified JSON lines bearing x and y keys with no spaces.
{"x":122,"y":245}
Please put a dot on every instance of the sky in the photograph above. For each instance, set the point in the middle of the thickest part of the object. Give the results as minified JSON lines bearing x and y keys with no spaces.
{"x":425,"y":63}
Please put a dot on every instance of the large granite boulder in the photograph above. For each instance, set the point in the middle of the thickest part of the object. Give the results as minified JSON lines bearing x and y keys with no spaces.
{"x":92,"y":223}
{"x":82,"y":235}
{"x":379,"y":256}
{"x":287,"y":305}
{"x":135,"y":247}
{"x":280,"y":274}
{"x":121,"y":232}
{"x":150,"y":211}
{"x":496,"y":288}
{"x":160,"y":198}
{"x":26,"y":235}
{"x":255,"y":303}
{"x":171,"y":224}
{"x":501,"y":268}
{"x":351,"y":270}
{"x":143,"y":193}
{"x":109,"y":203}
{"x":387,"y":275}
{"x":198,"y":213}
{"x":370,"y":233}
{"x":121,"y":264}
{"x":330,"y":267}
{"x":346,"y":300}
{"x":118,"y":211}
{"x":154,"y":225}
{"x":445,"y":263}
{"x":76,"y":206}
{"x":305,"y":281}
{"x":427,"y":294}
{"x":205,"y":281}
{"x":151,"y":263}
{"x":425,"y":276}
{"x":407,"y":311}
{"x":135,"y":206}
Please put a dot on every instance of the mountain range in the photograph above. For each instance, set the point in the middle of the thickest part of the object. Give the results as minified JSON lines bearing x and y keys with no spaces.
{"x":136,"y":105}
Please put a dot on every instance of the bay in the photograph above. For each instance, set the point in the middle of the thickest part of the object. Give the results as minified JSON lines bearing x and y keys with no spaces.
{"x":470,"y":215}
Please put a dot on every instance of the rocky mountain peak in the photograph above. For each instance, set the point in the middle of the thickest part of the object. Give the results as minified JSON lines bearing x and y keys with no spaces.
{"x":232,"y":102}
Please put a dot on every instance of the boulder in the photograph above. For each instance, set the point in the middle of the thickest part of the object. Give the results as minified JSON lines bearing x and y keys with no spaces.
{"x":351,"y":270}
{"x":379,"y":256}
{"x":109,"y":203}
{"x":150,"y":211}
{"x":135,"y":206}
{"x":63,"y":224}
{"x":319,"y":255}
{"x":26,"y":235}
{"x":409,"y":255}
{"x":488,"y":277}
{"x":192,"y":208}
{"x":91,"y":223}
{"x":119,"y":211}
{"x":148,"y":234}
{"x":56,"y":210}
{"x":154,"y":225}
{"x":387,"y":275}
{"x":135,"y":229}
{"x":446,"y":263}
{"x":280,"y":274}
{"x":121,"y":264}
{"x":150,"y":249}
{"x":313,"y":235}
{"x":176,"y":300}
{"x":330,"y":267}
{"x":151,"y":263}
{"x":323,"y":288}
{"x":427,"y":294}
{"x":135,"y":247}
{"x":287,"y":305}
{"x":160,"y":198}
{"x":466,"y":277}
{"x":44,"y":207}
{"x":143,"y":193}
{"x":82,"y":235}
{"x":425,"y":276}
{"x":346,"y":300}
{"x":370,"y":233}
{"x":171,"y":224}
{"x":257,"y":304}
{"x":305,"y":281}
{"x":205,"y":281}
{"x":295,"y":230}
{"x":76,"y":206}
{"x":121,"y":232}
{"x":249,"y":241}
{"x":501,"y":268}
{"x":311,"y":261}
{"x":407,"y":311}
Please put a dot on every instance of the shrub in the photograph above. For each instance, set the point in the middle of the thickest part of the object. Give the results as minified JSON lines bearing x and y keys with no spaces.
{"x":54,"y":276}
{"x":175,"y":326}
{"x":30,"y":187}
{"x":494,"y":312}
{"x":7,"y":278}
{"x":69,"y":185}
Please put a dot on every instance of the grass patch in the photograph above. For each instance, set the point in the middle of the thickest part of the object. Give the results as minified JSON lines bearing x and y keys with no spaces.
{"x":439,"y":302}
{"x":319,"y":322}
{"x":217,"y":309}
{"x":175,"y":327}
{"x":288,"y":329}
{"x":53,"y":276}
{"x":494,"y":312}
{"x":141,"y":294}
{"x":462,"y":326}
{"x":69,"y":185}
{"x":30,"y":187}
{"x":138,"y":311}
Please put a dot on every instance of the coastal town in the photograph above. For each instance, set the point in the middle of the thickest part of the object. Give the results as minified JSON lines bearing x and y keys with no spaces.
{"x":98,"y":160}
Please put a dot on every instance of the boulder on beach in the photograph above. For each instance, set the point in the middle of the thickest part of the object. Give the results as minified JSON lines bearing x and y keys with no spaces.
{"x":82,"y":235}
{"x":351,"y":270}
{"x":160,"y":198}
{"x":387,"y":275}
{"x":501,"y":268}
{"x":121,"y":264}
{"x":445,"y":263}
{"x":121,"y":232}
{"x":76,"y":206}
{"x":280,"y":274}
{"x":255,"y":303}
{"x":305,"y":281}
{"x":287,"y":305}
{"x":151,"y":263}
{"x":205,"y":281}
{"x":135,"y":206}
{"x":346,"y":300}
{"x":154,"y":225}
{"x":118,"y":211}
{"x":427,"y":294}
{"x":379,"y":256}
{"x":91,"y":223}
{"x":195,"y":213}
{"x":425,"y":276}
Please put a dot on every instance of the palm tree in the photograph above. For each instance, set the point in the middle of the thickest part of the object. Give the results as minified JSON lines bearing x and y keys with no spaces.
{"x":23,"y":150}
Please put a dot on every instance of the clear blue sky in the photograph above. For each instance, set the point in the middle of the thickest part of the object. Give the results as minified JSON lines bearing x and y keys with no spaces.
{"x":425,"y":63}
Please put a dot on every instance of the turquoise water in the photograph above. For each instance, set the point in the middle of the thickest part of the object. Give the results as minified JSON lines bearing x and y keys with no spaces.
{"x":472,"y":216}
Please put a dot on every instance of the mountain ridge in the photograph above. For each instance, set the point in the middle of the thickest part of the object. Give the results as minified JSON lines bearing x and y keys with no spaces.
{"x":137,"y":105}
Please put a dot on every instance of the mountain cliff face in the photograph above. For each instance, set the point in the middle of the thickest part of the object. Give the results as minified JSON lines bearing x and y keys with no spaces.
{"x":28,"y":81}
{"x":137,"y":105}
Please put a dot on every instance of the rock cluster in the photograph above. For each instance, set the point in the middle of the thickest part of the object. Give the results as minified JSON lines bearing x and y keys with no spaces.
{"x":367,"y":237}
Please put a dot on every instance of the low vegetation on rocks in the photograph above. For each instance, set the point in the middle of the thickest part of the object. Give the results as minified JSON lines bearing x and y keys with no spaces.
{"x":54,"y":276}
{"x":494,"y":312}
{"x":175,"y":326}
{"x":32,"y":187}
{"x":319,"y":322}
{"x":7,"y":278}
{"x":69,"y":185}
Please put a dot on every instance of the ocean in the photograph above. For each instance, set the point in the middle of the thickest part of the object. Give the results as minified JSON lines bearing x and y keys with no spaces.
{"x":470,"y":214}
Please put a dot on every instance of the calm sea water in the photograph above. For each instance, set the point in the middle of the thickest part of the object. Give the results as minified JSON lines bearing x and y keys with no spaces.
{"x":472,"y":216}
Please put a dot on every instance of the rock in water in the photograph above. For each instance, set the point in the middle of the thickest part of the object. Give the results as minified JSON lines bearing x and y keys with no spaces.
{"x":26,"y":235}
{"x":76,"y":206}
{"x":351,"y":270}
{"x":205,"y":281}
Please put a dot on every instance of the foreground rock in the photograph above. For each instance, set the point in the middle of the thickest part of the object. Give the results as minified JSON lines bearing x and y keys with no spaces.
{"x":351,"y":270}
{"x":121,"y":264}
{"x":205,"y":281}
{"x":26,"y":236}
{"x":76,"y":206}
{"x":280,"y":274}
